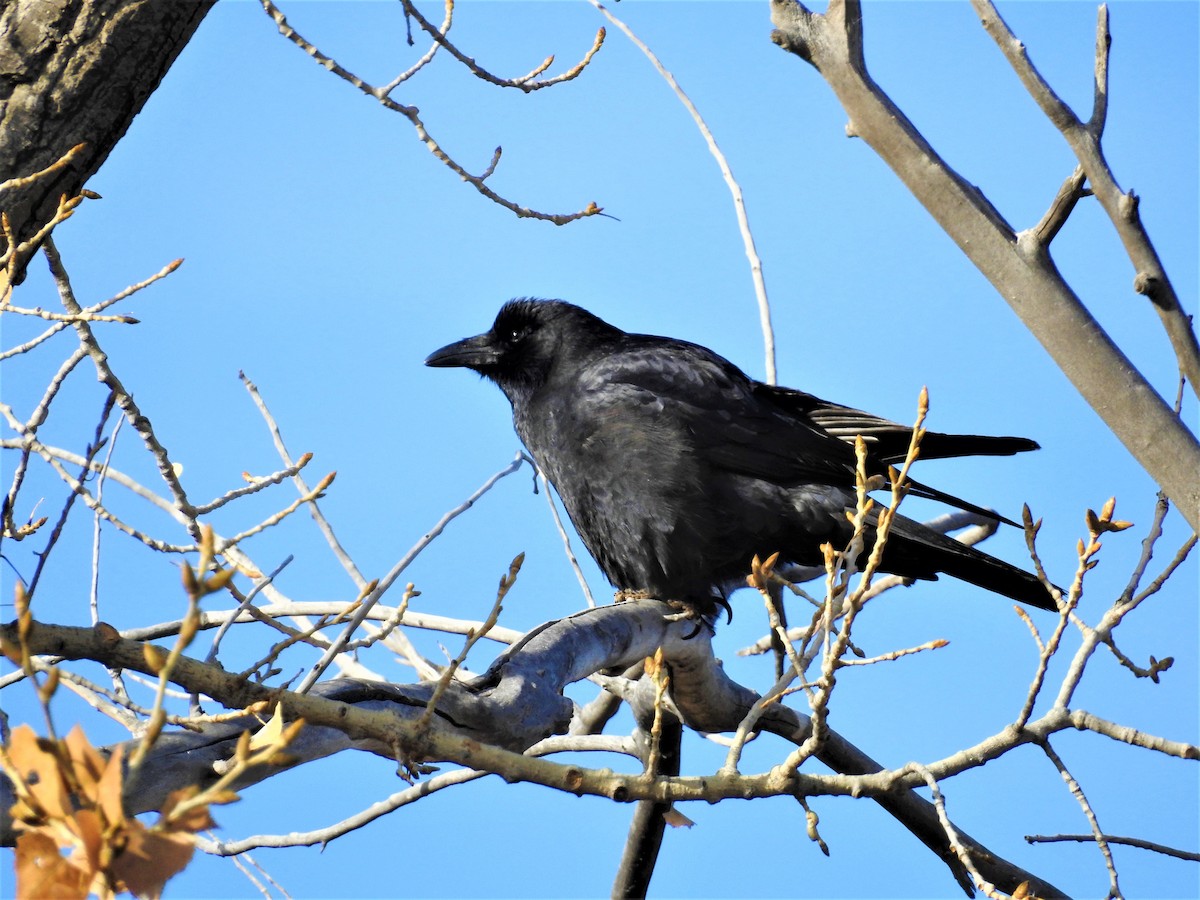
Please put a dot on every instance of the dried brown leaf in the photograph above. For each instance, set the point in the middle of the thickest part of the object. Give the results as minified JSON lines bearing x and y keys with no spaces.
{"x":37,"y":767}
{"x":43,"y":872}
{"x":108,"y":794}
{"x":88,"y":828}
{"x":191,"y":820}
{"x":86,"y":760}
{"x":150,"y":858}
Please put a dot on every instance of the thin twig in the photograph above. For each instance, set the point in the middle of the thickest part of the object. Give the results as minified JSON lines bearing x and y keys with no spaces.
{"x":411,"y":113}
{"x":523,"y":82}
{"x":386,"y":582}
{"x":506,"y":583}
{"x":566,"y":539}
{"x":1114,"y":888}
{"x":735,"y":190}
{"x":1115,"y":839}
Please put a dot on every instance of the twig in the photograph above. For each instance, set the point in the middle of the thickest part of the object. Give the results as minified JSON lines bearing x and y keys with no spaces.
{"x":49,"y":453}
{"x":1115,"y":839}
{"x":566,"y":539}
{"x":844,"y":563}
{"x":243,"y":606}
{"x":411,"y":794}
{"x":1067,"y":606}
{"x":124,"y":399}
{"x":69,"y":318}
{"x":1061,"y":207}
{"x":426,"y":58}
{"x":256,"y":484}
{"x":936,"y":644}
{"x":94,"y":592}
{"x":386,"y":582}
{"x":735,"y":190}
{"x":978,"y":532}
{"x":90,"y":310}
{"x":1153,"y":533}
{"x":411,"y":113}
{"x":1114,"y":888}
{"x":83,"y":492}
{"x":506,"y":583}
{"x":1084,"y":139}
{"x":271,"y":612}
{"x":274,"y":519}
{"x":523,"y":82}
{"x":61,"y":163}
{"x":8,"y":527}
{"x":956,"y":844}
{"x":318,"y":516}
{"x":1100,"y":75}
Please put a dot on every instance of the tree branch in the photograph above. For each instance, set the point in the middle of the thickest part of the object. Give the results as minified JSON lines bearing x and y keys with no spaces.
{"x":77,"y":73}
{"x":1018,"y":266}
{"x":1084,"y":139}
{"x":488,"y":722}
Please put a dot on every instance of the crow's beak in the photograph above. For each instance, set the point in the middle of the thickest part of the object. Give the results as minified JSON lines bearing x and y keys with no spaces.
{"x":476,"y":353}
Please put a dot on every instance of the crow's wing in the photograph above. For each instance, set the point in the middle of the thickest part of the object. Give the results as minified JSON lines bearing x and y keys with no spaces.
{"x":722,"y":417}
{"x":887,"y":441}
{"x":783,"y":436}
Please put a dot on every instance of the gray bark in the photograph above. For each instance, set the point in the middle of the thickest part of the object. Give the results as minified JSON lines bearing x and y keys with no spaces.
{"x":516,"y":703}
{"x":1018,"y":266}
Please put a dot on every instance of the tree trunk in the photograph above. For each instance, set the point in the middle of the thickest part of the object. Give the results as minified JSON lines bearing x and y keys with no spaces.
{"x":76,"y":72}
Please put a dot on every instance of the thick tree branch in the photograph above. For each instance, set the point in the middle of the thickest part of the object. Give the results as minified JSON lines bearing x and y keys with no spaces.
{"x":1018,"y":266}
{"x":1122,"y":207}
{"x":649,"y":821}
{"x":75,"y":73}
{"x":489,"y":722}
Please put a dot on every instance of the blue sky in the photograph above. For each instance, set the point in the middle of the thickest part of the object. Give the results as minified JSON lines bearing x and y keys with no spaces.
{"x":327,"y":253}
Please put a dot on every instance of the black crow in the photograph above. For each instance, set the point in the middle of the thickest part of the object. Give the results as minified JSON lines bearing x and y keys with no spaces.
{"x":677,"y":468}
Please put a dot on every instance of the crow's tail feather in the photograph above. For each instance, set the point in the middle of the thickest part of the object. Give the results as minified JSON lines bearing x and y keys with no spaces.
{"x":915,"y":551}
{"x":936,"y":445}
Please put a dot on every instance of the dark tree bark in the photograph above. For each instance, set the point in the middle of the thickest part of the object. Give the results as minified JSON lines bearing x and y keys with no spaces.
{"x":76,"y":72}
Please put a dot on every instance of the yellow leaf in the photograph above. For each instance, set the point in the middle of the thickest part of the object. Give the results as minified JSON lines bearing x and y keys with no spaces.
{"x":269,"y":734}
{"x":218,"y":580}
{"x":676,"y":819}
{"x":155,"y":657}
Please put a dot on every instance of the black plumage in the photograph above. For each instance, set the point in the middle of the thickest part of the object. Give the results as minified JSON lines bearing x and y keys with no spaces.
{"x":677,"y":468}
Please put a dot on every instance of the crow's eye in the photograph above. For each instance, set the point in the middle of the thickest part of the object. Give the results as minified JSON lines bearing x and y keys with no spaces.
{"x":514,"y":334}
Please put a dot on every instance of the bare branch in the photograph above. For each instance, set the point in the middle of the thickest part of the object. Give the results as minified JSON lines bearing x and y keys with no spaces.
{"x":386,"y":582}
{"x":566,"y":539}
{"x":1020,"y":270}
{"x":1122,"y":208}
{"x":1114,"y":889}
{"x":516,"y":703}
{"x":1115,"y":839}
{"x":411,"y":113}
{"x":524,"y":82}
{"x":124,"y":399}
{"x":735,"y":190}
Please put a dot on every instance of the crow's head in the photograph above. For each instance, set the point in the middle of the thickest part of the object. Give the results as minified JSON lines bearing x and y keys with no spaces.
{"x":527,"y":340}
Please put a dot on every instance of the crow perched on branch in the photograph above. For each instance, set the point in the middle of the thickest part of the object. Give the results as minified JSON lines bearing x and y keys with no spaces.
{"x":677,"y":468}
